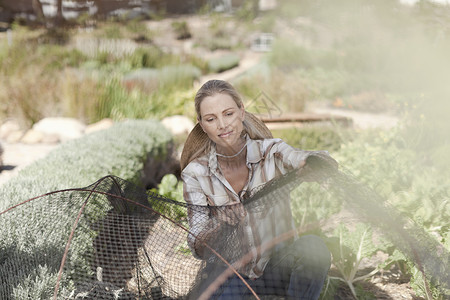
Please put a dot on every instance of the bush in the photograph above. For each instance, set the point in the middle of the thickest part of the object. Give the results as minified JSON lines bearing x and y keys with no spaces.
{"x":286,"y":54}
{"x":121,"y":150}
{"x":319,"y":138}
{"x":278,"y":94}
{"x":32,"y":238}
{"x":148,"y":57}
{"x":223,"y":63}
{"x":181,"y":30}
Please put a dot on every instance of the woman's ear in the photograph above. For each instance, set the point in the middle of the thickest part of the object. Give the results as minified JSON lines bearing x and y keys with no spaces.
{"x":200,"y":123}
{"x":242,"y":109}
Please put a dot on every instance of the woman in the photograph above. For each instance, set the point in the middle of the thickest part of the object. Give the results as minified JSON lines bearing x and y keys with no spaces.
{"x":228,"y":155}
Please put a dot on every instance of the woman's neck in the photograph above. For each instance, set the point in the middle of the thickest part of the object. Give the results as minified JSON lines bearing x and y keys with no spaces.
{"x":232,"y":157}
{"x":231,"y":151}
{"x":235,"y":162}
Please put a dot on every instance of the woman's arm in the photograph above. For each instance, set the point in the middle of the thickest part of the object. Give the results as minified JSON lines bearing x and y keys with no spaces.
{"x":309,"y":163}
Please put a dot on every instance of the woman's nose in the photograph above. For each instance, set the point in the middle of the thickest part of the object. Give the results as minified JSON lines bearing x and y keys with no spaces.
{"x":220,"y":123}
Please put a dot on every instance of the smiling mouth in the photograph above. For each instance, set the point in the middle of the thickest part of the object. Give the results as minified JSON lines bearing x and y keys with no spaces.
{"x":225,"y":134}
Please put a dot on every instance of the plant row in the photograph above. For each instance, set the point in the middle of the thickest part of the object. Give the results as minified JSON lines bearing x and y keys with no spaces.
{"x":34,"y":234}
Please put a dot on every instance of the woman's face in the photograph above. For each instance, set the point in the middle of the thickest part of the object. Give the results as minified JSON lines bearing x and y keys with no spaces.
{"x":221,"y":119}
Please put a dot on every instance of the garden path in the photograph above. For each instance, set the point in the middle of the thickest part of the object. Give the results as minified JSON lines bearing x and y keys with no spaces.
{"x":16,"y":156}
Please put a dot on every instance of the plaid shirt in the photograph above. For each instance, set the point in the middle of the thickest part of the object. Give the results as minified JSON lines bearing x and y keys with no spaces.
{"x":204,"y":184}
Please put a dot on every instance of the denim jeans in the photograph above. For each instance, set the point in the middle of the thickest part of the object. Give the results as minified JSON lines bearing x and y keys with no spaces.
{"x":296,"y":271}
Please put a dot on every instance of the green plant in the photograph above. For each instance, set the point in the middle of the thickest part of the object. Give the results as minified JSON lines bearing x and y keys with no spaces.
{"x":221,"y":35}
{"x":248,"y":10}
{"x":427,"y":202}
{"x":121,"y":150}
{"x":312,"y":204}
{"x":377,"y":159}
{"x":171,"y":188}
{"x":289,"y":92}
{"x":112,"y":31}
{"x":139,"y":30}
{"x":180,"y":76}
{"x":148,"y":57}
{"x":311,"y":138}
{"x":349,"y":250}
{"x":288,"y":55}
{"x":223,"y":63}
{"x":421,"y":285}
{"x":181,"y":29}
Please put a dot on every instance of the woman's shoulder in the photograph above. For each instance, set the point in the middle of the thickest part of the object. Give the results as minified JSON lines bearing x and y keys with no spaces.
{"x":268,"y":143}
{"x":197,"y":167}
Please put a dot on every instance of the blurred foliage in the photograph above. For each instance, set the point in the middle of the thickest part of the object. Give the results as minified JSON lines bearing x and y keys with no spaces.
{"x":311,"y":138}
{"x":223,"y":63}
{"x":181,"y":29}
{"x":45,"y":79}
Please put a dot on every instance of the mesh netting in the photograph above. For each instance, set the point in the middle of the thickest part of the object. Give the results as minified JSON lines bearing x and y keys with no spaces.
{"x":114,"y":240}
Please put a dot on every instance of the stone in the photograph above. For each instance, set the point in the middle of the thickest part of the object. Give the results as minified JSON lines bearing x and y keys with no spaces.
{"x":32,"y":137}
{"x":1,"y":157}
{"x":100,"y":125}
{"x":178,"y":124}
{"x":7,"y":128}
{"x":64,"y":128}
{"x":15,"y":136}
{"x":50,"y":139}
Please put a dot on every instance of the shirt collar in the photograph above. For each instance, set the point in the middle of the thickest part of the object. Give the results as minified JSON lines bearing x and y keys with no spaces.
{"x":253,"y":151}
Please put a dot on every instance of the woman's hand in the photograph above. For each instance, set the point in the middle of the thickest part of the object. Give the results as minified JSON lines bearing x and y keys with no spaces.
{"x":317,"y":167}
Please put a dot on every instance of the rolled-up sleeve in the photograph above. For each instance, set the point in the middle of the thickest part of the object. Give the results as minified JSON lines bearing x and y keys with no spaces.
{"x":198,"y":217}
{"x":286,"y":157}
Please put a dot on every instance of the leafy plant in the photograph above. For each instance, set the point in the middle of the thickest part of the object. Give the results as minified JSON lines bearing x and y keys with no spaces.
{"x":420,"y":284}
{"x":171,"y":188}
{"x":312,"y":204}
{"x":223,"y":63}
{"x":181,"y":29}
{"x":377,"y":159}
{"x":311,"y":138}
{"x":348,"y":252}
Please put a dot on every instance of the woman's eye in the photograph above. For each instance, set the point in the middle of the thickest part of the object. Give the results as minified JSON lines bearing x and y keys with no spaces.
{"x":229,"y":114}
{"x":209,"y":120}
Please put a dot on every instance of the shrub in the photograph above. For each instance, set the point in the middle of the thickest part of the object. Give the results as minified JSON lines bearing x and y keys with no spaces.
{"x":121,"y":150}
{"x":288,"y":92}
{"x":286,"y":54}
{"x":30,"y":235}
{"x":310,"y":138}
{"x":223,"y":63}
{"x":148,"y":57}
{"x":181,"y":30}
{"x":178,"y":76}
